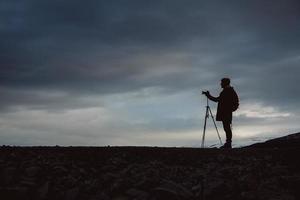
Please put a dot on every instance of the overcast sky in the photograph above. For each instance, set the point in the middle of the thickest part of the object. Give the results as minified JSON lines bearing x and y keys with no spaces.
{"x":131,"y":72}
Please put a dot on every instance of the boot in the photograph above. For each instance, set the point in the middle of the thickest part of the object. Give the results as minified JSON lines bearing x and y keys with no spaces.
{"x":227,"y":145}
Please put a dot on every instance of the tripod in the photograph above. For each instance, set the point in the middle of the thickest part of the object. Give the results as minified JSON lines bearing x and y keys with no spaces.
{"x":208,"y":112}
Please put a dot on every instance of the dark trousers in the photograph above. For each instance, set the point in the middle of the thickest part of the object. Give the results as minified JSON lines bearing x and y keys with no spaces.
{"x":227,"y":129}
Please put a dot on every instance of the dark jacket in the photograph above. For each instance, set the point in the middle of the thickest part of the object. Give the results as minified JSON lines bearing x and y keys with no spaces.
{"x":225,"y":104}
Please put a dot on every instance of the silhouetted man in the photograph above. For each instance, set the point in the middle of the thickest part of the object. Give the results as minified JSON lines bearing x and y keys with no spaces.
{"x":227,"y":103}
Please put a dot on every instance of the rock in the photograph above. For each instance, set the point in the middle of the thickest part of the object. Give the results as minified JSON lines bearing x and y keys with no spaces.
{"x":145,"y":183}
{"x":100,"y":195}
{"x":278,"y":169}
{"x":198,"y":190}
{"x":60,"y":170}
{"x":82,"y":171}
{"x":214,"y":188}
{"x":107,"y":167}
{"x":292,"y":182}
{"x":137,"y":194}
{"x":72,"y":194}
{"x":248,"y":195}
{"x":8,"y":175}
{"x":110,"y":176}
{"x":28,"y":182}
{"x":90,"y":183}
{"x":120,"y":185}
{"x":69,"y":181}
{"x":165,"y":193}
{"x":43,"y":191}
{"x":120,"y":197}
{"x":32,"y":171}
{"x":14,"y":193}
{"x":170,"y":189}
{"x":248,"y":181}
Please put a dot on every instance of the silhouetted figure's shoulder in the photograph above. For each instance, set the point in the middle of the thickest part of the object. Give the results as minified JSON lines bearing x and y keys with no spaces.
{"x":229,"y":91}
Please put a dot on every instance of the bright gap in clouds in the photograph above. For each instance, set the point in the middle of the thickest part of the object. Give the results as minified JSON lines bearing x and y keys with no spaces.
{"x":256,"y":110}
{"x":149,"y":117}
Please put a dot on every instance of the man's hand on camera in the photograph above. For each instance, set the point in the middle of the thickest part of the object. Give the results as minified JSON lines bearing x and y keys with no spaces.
{"x":206,"y":93}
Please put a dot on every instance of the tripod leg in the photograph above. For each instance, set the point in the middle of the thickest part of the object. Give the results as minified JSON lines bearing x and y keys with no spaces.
{"x":203,"y":135}
{"x":215,"y":125}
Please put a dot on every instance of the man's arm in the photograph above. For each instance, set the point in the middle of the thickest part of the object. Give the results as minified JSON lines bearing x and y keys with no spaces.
{"x":215,"y":99}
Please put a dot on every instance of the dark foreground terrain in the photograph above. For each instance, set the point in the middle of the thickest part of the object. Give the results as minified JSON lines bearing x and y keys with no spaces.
{"x":262,"y":171}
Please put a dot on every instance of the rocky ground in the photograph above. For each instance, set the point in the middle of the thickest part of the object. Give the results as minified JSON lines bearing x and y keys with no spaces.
{"x":122,"y":173}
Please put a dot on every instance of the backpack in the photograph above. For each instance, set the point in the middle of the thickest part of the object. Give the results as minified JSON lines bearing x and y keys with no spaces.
{"x":235,"y":101}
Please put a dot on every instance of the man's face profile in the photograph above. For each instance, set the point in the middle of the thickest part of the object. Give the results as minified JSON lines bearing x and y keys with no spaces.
{"x":223,"y":84}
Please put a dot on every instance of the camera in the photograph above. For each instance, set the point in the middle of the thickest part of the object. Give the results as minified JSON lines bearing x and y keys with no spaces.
{"x":205,"y":92}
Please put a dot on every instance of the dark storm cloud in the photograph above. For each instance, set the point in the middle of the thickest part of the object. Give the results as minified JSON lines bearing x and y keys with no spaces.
{"x":96,"y":47}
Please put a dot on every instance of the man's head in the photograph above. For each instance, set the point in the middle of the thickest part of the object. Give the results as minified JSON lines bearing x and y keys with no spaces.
{"x":225,"y":82}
